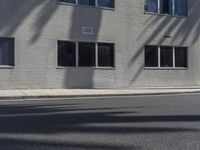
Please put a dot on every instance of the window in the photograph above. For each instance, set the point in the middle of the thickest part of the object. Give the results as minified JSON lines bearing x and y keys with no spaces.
{"x":151,"y":6}
{"x":181,"y":7}
{"x":96,"y":3}
{"x":86,"y":2}
{"x":105,"y":55}
{"x":151,"y":56}
{"x":6,"y":51}
{"x":85,"y":54}
{"x":181,"y":57}
{"x":166,"y":7}
{"x":170,"y":7}
{"x":165,"y":56}
{"x":66,"y":54}
{"x":106,"y":3}
{"x":68,"y":1}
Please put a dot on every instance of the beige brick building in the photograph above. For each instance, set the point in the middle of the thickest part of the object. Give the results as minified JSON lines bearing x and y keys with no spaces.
{"x":99,"y":44}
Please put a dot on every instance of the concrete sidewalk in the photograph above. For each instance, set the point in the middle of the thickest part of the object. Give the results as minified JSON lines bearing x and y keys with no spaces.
{"x":72,"y":93}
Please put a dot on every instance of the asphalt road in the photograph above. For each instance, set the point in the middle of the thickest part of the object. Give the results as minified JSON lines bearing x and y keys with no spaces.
{"x":118,"y":123}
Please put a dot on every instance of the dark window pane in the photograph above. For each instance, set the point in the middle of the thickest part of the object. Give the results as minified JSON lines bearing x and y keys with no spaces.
{"x":105,"y":55}
{"x":151,"y":6}
{"x":106,"y":3}
{"x":86,"y":54}
{"x":151,"y":56}
{"x":166,"y":54}
{"x":166,"y":7}
{"x":181,"y":57}
{"x":181,"y":7}
{"x":68,"y":1}
{"x":66,"y":53}
{"x":86,"y":2}
{"x":7,"y":51}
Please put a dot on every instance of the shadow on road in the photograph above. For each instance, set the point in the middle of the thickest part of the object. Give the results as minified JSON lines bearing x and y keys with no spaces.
{"x":19,"y":120}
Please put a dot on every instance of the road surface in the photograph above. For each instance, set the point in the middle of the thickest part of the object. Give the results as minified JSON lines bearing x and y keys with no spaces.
{"x":119,"y":123}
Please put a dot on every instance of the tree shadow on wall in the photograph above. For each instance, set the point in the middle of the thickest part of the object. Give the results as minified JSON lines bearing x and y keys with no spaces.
{"x":183,"y":30}
{"x":14,"y":13}
{"x":82,"y":77}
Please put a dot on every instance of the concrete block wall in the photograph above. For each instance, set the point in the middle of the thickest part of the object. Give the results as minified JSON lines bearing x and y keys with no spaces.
{"x":36,"y":26}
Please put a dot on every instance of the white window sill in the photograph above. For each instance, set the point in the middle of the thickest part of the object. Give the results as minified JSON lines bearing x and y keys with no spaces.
{"x":6,"y":67}
{"x":167,"y":15}
{"x":87,"y":6}
{"x":165,"y":68}
{"x":100,"y":68}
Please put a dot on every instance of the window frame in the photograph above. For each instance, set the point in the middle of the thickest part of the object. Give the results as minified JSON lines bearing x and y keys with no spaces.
{"x":167,"y":48}
{"x":83,"y":42}
{"x":68,"y":3}
{"x":96,"y":55}
{"x":58,"y":41}
{"x":174,"y":60}
{"x":113,"y":54}
{"x":162,"y":14}
{"x":158,"y":60}
{"x":80,"y":5}
{"x":9,"y":66}
{"x":185,"y":53}
{"x":104,"y":7}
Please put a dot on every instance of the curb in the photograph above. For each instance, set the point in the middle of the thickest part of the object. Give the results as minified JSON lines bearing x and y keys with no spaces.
{"x":26,"y":97}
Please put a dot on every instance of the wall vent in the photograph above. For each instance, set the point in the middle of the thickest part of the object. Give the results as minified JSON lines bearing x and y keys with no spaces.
{"x":87,"y":30}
